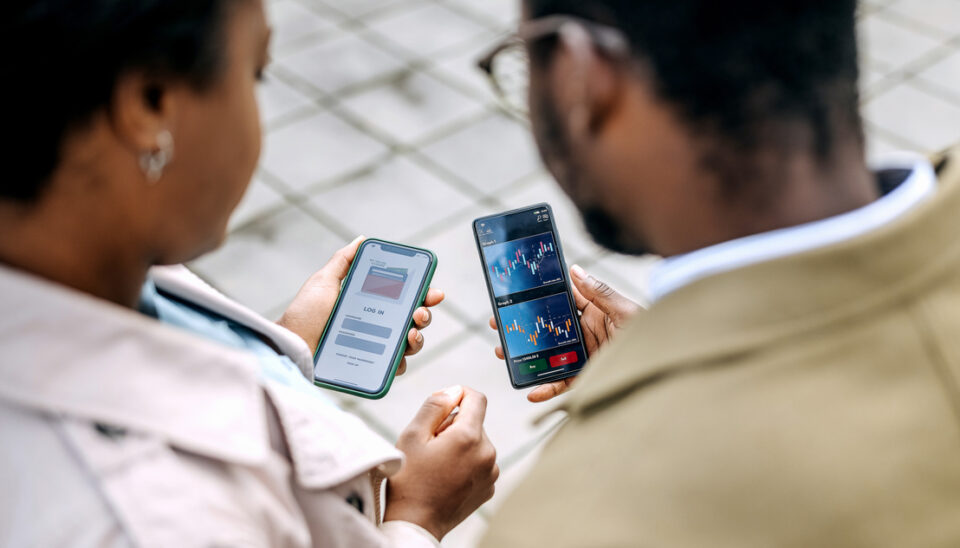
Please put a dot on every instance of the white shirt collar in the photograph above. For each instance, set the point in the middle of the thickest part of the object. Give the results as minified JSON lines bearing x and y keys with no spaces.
{"x":676,"y":272}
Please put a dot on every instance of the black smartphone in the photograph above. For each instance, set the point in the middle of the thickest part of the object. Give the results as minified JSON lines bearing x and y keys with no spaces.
{"x":536,"y":315}
{"x":365,"y":338}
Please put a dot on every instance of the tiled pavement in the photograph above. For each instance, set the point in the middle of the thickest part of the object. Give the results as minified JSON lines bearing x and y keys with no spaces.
{"x":377,"y":123}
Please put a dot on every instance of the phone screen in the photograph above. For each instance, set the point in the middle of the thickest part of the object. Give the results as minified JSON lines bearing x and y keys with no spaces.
{"x":373,"y":316}
{"x":526,"y":276}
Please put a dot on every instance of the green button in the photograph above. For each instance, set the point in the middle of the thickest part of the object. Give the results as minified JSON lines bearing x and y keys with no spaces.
{"x":533,"y":366}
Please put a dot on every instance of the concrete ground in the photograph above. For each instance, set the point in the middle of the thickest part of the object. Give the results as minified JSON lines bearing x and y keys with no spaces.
{"x":377,"y":123}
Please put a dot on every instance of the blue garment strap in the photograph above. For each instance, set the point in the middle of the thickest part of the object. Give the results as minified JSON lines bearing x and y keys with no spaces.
{"x":199,"y":321}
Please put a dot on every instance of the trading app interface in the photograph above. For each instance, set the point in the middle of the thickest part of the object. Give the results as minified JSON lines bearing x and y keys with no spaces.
{"x":526,"y":275}
{"x":373,"y":316}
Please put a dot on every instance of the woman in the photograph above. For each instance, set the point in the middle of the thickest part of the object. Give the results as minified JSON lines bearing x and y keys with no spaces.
{"x":137,"y":405}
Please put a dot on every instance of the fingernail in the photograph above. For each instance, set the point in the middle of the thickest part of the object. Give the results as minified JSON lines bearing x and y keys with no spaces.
{"x":580,"y":273}
{"x":455,"y":392}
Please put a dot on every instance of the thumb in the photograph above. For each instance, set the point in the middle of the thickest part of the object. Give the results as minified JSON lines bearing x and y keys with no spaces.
{"x":601,"y":295}
{"x":436,"y":410}
{"x":339,"y":265}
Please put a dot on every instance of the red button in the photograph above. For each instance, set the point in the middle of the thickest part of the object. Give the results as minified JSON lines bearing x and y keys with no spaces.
{"x":563,"y":359}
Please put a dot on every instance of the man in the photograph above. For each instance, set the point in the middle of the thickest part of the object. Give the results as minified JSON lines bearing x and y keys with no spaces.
{"x":794,"y":382}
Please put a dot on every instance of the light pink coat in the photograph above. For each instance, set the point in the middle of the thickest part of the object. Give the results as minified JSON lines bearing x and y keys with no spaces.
{"x":117,"y":430}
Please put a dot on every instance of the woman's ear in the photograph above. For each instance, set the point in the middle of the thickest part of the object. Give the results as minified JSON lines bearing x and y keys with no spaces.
{"x":141,"y":111}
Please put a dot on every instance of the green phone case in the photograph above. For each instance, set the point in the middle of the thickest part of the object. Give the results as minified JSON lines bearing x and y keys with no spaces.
{"x":398,"y":356}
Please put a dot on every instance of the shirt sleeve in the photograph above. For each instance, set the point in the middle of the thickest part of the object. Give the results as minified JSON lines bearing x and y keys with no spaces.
{"x":404,"y":533}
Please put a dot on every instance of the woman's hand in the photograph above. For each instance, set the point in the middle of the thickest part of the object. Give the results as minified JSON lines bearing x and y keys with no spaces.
{"x":603,"y":312}
{"x":307,"y":315}
{"x":450,"y":467}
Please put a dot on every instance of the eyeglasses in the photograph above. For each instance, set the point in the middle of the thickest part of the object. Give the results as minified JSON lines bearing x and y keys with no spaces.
{"x":508,"y":64}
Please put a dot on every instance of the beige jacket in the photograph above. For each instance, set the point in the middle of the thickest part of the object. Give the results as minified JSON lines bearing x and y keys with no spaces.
{"x":116,"y":430}
{"x":807,"y":401}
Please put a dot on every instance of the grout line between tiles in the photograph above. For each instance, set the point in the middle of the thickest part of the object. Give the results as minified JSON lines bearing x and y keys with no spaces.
{"x":892,"y":137}
{"x":951,"y":96}
{"x":907,"y":22}
{"x":909,"y":71}
{"x":478,"y":17}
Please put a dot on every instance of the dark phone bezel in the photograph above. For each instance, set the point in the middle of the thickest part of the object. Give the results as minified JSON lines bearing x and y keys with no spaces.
{"x":566,"y":282}
{"x":390,"y":373}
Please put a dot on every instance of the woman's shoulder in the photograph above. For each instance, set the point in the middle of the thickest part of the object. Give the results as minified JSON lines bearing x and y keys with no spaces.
{"x":113,"y":484}
{"x":44,"y":483}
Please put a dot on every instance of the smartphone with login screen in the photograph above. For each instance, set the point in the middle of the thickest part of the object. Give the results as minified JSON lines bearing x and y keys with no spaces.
{"x":533,"y":305}
{"x":366,"y":335}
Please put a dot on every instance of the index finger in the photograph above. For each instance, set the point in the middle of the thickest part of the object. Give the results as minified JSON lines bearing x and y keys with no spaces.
{"x":578,"y":298}
{"x":434,"y":297}
{"x":473,"y":409}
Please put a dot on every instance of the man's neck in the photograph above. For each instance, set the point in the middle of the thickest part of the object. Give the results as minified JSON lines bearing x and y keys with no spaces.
{"x":801,"y":192}
{"x":908,"y":185}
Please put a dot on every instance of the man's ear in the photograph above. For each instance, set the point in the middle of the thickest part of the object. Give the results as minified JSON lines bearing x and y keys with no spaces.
{"x":142,"y":109}
{"x":588,"y":85}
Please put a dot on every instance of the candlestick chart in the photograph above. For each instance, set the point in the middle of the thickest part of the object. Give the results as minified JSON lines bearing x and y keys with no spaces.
{"x":523,"y":264}
{"x":538,"y":325}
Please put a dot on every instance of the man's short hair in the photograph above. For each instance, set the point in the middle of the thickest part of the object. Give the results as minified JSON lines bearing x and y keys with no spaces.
{"x":737,"y":69}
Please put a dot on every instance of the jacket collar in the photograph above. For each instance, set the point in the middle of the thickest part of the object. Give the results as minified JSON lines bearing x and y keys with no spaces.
{"x":68,"y":353}
{"x":717,"y":318}
{"x":180,"y":281}
{"x":918,"y":184}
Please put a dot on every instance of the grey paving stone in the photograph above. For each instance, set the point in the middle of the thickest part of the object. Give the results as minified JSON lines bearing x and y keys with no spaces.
{"x":394,"y":200}
{"x":491,"y":154}
{"x":426,"y":29}
{"x":259,"y":198}
{"x":292,"y":22}
{"x":264,"y":263}
{"x":505,"y":14}
{"x":930,"y":122}
{"x":879,"y":147}
{"x":278,"y":100}
{"x":444,"y":328}
{"x":318,"y":148}
{"x":460,"y":273}
{"x":412,"y":106}
{"x":362,"y":8}
{"x":943,"y":15}
{"x":345,"y":61}
{"x":459,"y":66}
{"x":893,"y":44}
{"x":944,"y":75}
{"x":872,"y":73}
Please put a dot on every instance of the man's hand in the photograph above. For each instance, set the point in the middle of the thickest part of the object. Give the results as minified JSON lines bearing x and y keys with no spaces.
{"x":307,"y":315}
{"x":603,"y":312}
{"x":446,"y":475}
